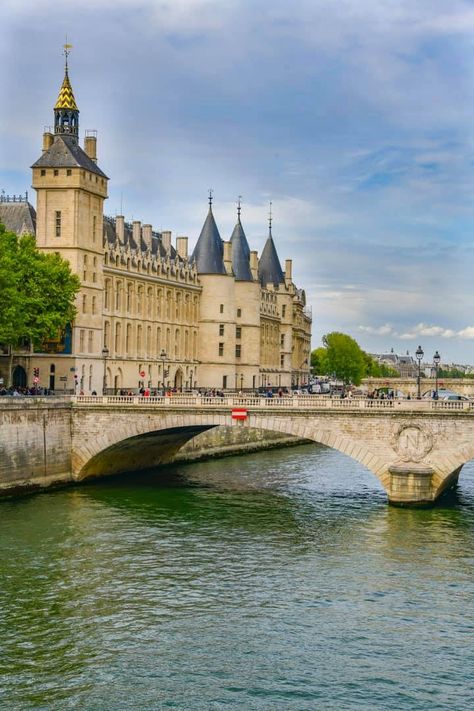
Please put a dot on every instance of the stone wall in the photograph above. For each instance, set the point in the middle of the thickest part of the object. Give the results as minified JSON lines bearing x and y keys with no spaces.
{"x":222,"y":441}
{"x":35,"y":444}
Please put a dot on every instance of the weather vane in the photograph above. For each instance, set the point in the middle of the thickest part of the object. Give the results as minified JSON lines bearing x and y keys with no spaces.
{"x":239,"y":201}
{"x":210,"y":196}
{"x":67,"y":50}
{"x":270,"y":216}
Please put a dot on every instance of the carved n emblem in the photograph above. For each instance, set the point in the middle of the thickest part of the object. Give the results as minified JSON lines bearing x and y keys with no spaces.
{"x":412,"y":442}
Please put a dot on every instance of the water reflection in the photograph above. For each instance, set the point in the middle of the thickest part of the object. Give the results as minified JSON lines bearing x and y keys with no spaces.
{"x":280,"y":580}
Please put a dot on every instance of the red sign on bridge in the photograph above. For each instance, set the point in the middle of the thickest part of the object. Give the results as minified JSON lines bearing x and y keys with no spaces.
{"x":239,"y":413}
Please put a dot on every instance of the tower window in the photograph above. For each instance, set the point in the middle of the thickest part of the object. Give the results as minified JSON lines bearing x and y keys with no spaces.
{"x":56,"y":172}
{"x":222,"y":308}
{"x":221,"y":349}
{"x":68,"y":171}
{"x":43,"y":173}
{"x":238,"y":331}
{"x":94,"y":226}
{"x":283,"y":311}
{"x":58,"y":223}
{"x":238,"y":350}
{"x":221,"y":329}
{"x":239,"y":313}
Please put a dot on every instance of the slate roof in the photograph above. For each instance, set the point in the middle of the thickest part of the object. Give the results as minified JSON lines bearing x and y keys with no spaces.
{"x":240,"y":254}
{"x":67,"y":153}
{"x":269,"y":268}
{"x":18,"y":217}
{"x":157,"y":248}
{"x":208,"y":252}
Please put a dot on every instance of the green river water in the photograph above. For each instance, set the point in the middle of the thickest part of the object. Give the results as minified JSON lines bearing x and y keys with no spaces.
{"x":278,"y":580}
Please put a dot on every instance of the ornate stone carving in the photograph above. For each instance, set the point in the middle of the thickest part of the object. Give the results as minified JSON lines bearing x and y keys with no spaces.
{"x":412,"y":442}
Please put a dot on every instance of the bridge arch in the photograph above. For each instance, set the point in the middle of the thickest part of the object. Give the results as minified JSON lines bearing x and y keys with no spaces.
{"x":153,"y":438}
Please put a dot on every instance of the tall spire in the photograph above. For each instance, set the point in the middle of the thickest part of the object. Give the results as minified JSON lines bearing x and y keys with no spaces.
{"x":209,"y":251}
{"x":269,"y":267}
{"x":66,"y":113}
{"x":240,"y":249}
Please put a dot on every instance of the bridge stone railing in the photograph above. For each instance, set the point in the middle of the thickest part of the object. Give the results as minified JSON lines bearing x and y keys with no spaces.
{"x":276,"y":403}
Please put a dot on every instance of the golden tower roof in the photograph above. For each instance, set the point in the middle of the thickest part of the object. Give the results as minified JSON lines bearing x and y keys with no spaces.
{"x":66,"y":98}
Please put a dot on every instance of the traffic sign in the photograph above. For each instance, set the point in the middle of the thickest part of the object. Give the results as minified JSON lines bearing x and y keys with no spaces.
{"x":239,"y":413}
{"x":35,"y":380}
{"x":142,"y":374}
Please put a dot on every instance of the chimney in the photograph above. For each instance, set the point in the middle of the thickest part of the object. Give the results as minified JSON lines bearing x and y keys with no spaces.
{"x":166,"y":241}
{"x":48,"y":140}
{"x":137,"y":233}
{"x":147,"y":238}
{"x":182,"y":247}
{"x":254,"y":263}
{"x":288,"y":271}
{"x":120,"y":228}
{"x":90,"y":145}
{"x":228,"y":257}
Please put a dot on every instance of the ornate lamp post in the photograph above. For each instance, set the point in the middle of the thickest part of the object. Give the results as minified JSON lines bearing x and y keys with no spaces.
{"x":419,"y":356}
{"x":436,"y":361}
{"x":241,"y":382}
{"x":164,"y":357}
{"x":105,"y":353}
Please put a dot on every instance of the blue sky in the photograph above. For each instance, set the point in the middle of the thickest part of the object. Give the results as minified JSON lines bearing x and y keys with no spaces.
{"x":355,"y":117}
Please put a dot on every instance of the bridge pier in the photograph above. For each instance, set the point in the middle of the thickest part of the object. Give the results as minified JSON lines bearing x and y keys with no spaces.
{"x":411,"y":485}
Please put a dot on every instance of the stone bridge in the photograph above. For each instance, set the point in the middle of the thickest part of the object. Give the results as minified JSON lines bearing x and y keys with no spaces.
{"x":415,"y":448}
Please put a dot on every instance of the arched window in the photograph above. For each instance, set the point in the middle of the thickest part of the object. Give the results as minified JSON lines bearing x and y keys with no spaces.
{"x":108,"y":290}
{"x":84,"y":303}
{"x":177,"y":343}
{"x":150,"y":302}
{"x":106,"y":334}
{"x":118,"y":330}
{"x":93,"y":309}
{"x":129,"y":297}
{"x":158,"y":340}
{"x":140,"y":301}
{"x":148,"y":341}
{"x":139,"y":340}
{"x":118,"y":296}
{"x":84,"y":271}
{"x":128,"y":339}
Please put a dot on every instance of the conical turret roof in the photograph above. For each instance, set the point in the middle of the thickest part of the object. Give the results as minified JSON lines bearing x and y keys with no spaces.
{"x":208,"y":252}
{"x":269,"y":268}
{"x":66,"y":98}
{"x":240,"y":254}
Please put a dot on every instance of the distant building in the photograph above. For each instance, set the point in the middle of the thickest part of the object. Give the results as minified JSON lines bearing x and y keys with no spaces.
{"x":148,"y":314}
{"x":405,"y":365}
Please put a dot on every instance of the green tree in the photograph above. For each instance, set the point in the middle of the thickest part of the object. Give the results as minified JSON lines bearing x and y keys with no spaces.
{"x":345,"y":359}
{"x":37,"y":292}
{"x":319,"y":361}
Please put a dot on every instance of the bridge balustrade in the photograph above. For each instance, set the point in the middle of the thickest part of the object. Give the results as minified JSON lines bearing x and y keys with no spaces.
{"x":276,"y":403}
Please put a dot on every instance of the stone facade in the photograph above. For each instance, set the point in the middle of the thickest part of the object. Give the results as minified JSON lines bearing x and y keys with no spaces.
{"x":149,"y":314}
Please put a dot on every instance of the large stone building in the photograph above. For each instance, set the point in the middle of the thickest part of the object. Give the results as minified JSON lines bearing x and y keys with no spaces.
{"x":148,"y":314}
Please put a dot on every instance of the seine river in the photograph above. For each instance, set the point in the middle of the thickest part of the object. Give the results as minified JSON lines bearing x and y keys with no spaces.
{"x":279,"y":580}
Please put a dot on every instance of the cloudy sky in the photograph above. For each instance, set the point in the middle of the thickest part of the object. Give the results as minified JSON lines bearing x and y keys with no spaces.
{"x":355,"y":117}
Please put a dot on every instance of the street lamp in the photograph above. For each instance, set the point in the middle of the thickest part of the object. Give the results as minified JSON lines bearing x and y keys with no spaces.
{"x":241,"y":382}
{"x":419,"y":356}
{"x":436,"y":361}
{"x":105,"y":353}
{"x":164,"y":357}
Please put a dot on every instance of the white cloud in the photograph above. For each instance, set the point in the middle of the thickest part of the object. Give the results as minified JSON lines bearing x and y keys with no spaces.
{"x":385,"y":330}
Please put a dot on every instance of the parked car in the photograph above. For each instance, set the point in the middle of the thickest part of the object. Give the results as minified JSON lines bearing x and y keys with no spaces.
{"x":443,"y":394}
